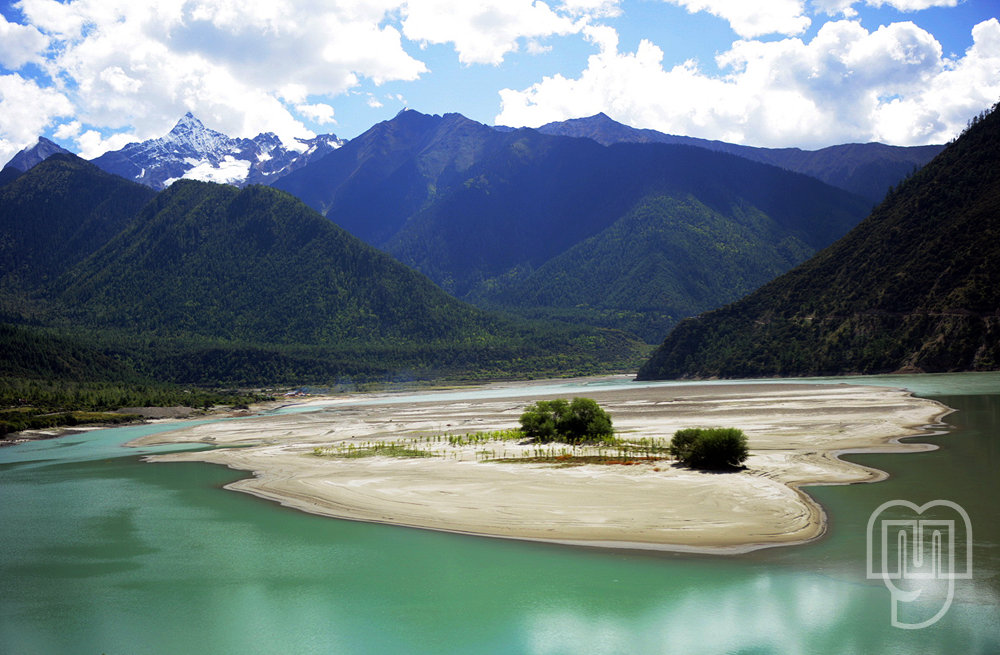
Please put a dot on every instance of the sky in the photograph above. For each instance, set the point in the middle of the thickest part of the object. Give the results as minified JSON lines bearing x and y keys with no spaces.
{"x":94,"y":75}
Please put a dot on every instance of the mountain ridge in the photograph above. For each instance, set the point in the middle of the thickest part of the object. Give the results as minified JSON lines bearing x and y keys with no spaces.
{"x":56,"y":214}
{"x":33,"y":155}
{"x":479,"y":210}
{"x":210,"y":284}
{"x":914,"y":287}
{"x":868,"y":169}
{"x":192,"y":151}
{"x":389,"y":172}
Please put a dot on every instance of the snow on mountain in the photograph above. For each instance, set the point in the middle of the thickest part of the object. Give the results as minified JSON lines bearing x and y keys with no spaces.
{"x":192,"y":151}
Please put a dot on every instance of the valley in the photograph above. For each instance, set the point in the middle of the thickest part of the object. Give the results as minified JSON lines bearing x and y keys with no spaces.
{"x":503,"y":327}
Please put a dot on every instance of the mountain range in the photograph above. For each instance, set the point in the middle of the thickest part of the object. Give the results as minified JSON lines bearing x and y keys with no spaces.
{"x":914,"y":287}
{"x":207,"y":283}
{"x":865,"y":169}
{"x":532,"y":222}
{"x":538,"y":224}
{"x":592,"y":232}
{"x":192,"y":151}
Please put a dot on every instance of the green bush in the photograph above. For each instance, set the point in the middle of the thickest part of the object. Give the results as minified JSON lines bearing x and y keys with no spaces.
{"x":579,"y":421}
{"x":710,"y":448}
{"x":683,"y":441}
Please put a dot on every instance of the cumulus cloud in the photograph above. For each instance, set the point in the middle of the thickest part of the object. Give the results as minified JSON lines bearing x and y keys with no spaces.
{"x":913,"y":5}
{"x":847,"y":84}
{"x":113,"y":71}
{"x":134,"y":66}
{"x":19,"y":44}
{"x":591,"y":8}
{"x":961,"y":89}
{"x":846,"y":7}
{"x":484,"y":32}
{"x":319,"y":112}
{"x":749,"y":19}
{"x":836,"y":7}
{"x":131,"y":67}
{"x":27,"y":110}
{"x":69,"y":130}
{"x":93,"y":144}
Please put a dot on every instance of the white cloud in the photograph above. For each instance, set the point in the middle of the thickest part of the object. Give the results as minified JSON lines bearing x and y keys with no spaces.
{"x":319,"y":112}
{"x":242,"y":66}
{"x":846,"y":7}
{"x":962,"y":89}
{"x":913,"y":5}
{"x":536,"y":48}
{"x":55,"y":18}
{"x":847,"y":84}
{"x":20,"y":44}
{"x":122,"y":70}
{"x":92,"y":144}
{"x":484,"y":32}
{"x":69,"y":130}
{"x":592,"y":8}
{"x":759,"y":17}
{"x":836,"y":7}
{"x":118,"y":81}
{"x":754,"y":18}
{"x":27,"y":111}
{"x":294,"y":93}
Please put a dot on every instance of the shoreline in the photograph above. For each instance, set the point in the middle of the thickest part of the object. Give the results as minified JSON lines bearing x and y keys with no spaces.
{"x":797,"y":433}
{"x":144,"y":416}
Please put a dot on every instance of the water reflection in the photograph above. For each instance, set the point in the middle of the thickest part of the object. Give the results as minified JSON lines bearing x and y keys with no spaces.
{"x":767,"y":613}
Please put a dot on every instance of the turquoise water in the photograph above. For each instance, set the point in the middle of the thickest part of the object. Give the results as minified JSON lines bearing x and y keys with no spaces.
{"x":102,"y":553}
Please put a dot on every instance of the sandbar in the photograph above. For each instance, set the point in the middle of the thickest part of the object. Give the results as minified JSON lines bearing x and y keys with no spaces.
{"x":795,"y":431}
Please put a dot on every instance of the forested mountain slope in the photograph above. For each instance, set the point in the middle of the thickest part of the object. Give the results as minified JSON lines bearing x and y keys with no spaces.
{"x":208,"y":283}
{"x":915,"y":286}
{"x":497,"y":217}
{"x":372,"y":184}
{"x":629,"y":236}
{"x":257,"y":264}
{"x":56,"y":214}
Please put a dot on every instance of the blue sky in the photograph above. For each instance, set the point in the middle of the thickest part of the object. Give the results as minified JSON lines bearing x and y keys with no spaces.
{"x":96,"y":74}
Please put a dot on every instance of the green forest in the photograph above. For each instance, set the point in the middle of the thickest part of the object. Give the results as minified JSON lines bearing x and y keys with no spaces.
{"x":915,"y":287}
{"x":631,"y":236}
{"x":207,"y":287}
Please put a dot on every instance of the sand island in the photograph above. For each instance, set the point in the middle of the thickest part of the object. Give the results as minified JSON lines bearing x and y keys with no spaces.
{"x":516,"y":489}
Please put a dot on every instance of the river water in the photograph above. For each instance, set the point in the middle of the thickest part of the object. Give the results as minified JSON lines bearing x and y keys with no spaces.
{"x":103,"y":553}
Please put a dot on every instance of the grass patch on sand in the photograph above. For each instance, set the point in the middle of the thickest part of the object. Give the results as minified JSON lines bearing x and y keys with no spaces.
{"x":505,"y":447}
{"x":374,"y":449}
{"x":567,"y":461}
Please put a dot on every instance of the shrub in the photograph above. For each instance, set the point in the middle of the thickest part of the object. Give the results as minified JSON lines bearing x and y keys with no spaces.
{"x":710,"y":448}
{"x":579,"y":421}
{"x":681,"y":444}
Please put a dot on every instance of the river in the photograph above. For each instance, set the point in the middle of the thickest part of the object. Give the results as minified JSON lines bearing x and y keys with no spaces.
{"x":103,"y":553}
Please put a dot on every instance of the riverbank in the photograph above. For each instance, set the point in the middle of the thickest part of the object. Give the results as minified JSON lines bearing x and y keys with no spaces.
{"x":64,"y":424}
{"x":795,"y":433}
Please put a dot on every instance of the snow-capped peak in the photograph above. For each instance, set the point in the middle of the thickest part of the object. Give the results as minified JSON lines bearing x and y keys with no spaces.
{"x":188,"y":120}
{"x":192,"y":151}
{"x":191,"y":133}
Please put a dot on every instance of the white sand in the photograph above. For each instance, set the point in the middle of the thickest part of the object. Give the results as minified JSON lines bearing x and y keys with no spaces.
{"x":795,"y":432}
